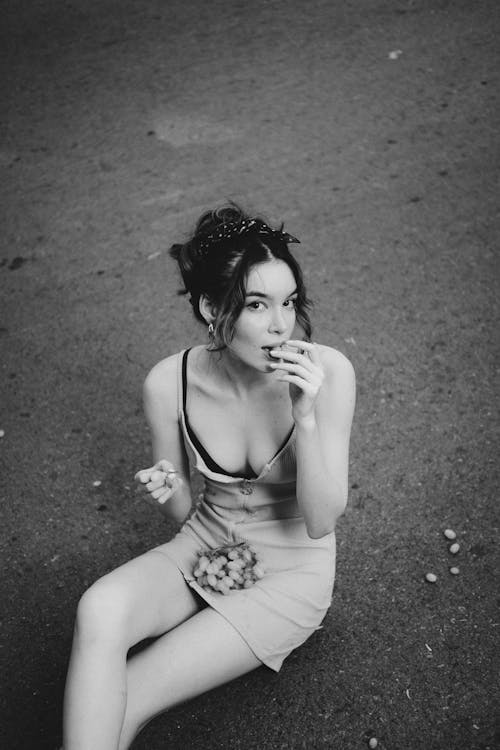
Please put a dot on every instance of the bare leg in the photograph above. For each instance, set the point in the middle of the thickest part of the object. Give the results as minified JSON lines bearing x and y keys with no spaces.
{"x":200,"y":654}
{"x":145,"y":597}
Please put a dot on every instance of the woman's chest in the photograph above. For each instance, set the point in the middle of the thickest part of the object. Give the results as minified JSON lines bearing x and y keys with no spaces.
{"x":241,"y":438}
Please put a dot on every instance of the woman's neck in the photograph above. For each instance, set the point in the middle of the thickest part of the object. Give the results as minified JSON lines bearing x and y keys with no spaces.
{"x":234,"y":374}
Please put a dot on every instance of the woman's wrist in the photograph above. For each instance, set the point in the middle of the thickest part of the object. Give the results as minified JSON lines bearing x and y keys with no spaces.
{"x":306,"y":423}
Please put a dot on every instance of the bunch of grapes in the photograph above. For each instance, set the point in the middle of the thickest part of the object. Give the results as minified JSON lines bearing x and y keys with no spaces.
{"x":223,"y":569}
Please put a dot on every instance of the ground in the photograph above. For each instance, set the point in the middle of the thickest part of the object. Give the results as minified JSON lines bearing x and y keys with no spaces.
{"x":371,"y":129}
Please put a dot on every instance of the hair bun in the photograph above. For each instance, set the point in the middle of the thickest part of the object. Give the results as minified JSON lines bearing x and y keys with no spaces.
{"x":210,"y":221}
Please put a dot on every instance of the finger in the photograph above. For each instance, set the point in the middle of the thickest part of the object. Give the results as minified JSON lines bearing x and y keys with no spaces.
{"x":293,"y":369}
{"x":161,"y":495}
{"x":160,"y":491}
{"x":315,"y":355}
{"x":143,"y":476}
{"x":311,"y":350}
{"x":152,"y":486}
{"x":166,"y":495}
{"x":291,"y":356}
{"x":304,"y":346}
{"x":170,"y":480}
{"x":304,"y":386}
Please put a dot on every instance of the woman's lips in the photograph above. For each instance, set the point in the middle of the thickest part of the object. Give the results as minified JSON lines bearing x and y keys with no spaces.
{"x":267,"y":350}
{"x":273,"y":346}
{"x":284,"y":347}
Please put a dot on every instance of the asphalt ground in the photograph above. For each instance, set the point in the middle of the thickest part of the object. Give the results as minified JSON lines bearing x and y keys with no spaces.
{"x":371,"y":129}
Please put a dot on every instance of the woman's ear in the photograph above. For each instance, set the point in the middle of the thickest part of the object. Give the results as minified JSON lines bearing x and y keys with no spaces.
{"x":207,"y":309}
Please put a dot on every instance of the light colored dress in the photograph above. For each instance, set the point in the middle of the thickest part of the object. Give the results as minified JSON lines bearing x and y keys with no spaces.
{"x":281,"y":610}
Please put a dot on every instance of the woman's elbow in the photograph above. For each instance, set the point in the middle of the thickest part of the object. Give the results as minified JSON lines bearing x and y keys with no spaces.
{"x":319,"y":530}
{"x":319,"y":533}
{"x":323,"y":527}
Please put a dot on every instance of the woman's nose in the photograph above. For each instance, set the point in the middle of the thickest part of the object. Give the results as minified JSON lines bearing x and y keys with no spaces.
{"x":278,"y":323}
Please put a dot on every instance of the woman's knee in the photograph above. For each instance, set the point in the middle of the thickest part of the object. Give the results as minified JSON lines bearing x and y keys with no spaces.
{"x":102,"y":613}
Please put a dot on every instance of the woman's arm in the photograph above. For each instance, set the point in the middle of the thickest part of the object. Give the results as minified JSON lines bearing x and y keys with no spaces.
{"x":322,"y":389}
{"x":160,"y":407}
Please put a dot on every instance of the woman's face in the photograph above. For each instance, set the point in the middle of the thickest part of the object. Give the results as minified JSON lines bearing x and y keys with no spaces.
{"x":268,"y":316}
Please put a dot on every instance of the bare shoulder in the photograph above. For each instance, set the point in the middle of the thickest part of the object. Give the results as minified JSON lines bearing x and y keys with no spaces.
{"x":162,"y":377}
{"x":338,"y":392}
{"x":160,"y":391}
{"x":336,"y":364}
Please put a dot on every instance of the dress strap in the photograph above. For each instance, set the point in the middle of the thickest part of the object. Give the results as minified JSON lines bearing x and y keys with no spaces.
{"x":181,"y":381}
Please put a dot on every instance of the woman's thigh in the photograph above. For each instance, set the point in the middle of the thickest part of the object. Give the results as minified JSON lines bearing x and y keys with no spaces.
{"x":143,"y":598}
{"x":204,"y":652}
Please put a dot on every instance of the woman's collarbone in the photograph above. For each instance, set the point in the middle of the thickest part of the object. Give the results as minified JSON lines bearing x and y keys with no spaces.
{"x":235,"y":442}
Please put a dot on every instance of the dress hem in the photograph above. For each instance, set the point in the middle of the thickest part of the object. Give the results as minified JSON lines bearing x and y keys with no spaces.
{"x":210,"y":599}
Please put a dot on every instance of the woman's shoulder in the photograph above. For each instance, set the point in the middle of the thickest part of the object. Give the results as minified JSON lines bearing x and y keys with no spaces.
{"x":334,"y":362}
{"x":163,"y":375}
{"x":338,"y":394}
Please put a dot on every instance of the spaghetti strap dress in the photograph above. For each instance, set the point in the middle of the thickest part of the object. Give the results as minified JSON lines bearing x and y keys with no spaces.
{"x":282,"y":609}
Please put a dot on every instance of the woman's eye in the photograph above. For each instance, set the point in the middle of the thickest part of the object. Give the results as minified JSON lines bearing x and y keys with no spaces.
{"x":258,"y":305}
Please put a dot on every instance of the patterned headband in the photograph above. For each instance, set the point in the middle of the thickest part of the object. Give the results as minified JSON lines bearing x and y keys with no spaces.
{"x":238,"y":228}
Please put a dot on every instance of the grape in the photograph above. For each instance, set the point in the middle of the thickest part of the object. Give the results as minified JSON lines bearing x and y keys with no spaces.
{"x":203,"y":562}
{"x":232,"y":567}
{"x":258,"y":570}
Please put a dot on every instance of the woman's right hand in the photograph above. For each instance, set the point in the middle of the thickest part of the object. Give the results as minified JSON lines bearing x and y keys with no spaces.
{"x":160,"y":480}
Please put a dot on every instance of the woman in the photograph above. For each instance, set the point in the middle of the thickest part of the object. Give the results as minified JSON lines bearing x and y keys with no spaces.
{"x":264,"y":415}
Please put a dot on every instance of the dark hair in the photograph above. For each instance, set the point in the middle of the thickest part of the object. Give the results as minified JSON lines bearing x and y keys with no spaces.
{"x":218,"y":267}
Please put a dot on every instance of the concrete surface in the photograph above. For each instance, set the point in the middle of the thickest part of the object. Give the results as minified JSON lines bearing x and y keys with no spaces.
{"x":371,"y":129}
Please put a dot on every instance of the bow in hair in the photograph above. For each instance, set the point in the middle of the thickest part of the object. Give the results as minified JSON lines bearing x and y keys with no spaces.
{"x":237,"y":228}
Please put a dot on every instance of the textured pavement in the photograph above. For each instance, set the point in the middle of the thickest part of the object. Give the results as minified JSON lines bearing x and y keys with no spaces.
{"x":371,"y":129}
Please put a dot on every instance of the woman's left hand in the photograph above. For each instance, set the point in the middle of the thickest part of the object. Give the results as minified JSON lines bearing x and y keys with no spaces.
{"x":302,"y":368}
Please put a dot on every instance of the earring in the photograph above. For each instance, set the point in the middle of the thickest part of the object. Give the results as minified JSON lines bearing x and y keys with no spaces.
{"x":211,"y":336}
